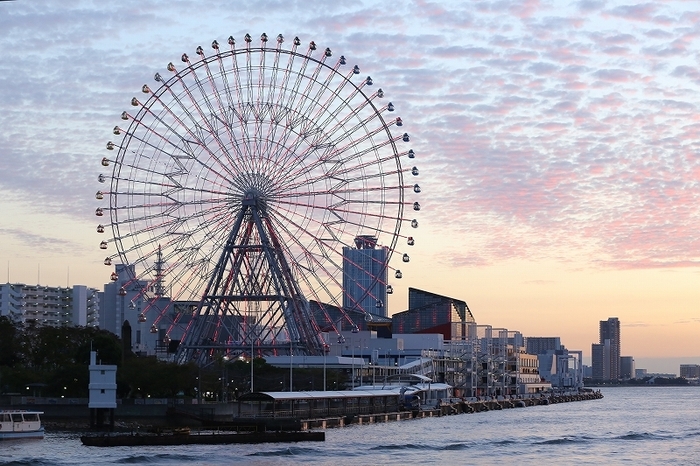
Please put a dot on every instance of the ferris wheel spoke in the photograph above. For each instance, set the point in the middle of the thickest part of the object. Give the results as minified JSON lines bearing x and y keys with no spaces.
{"x":165,"y":185}
{"x":307,"y":103}
{"x":157,"y":239}
{"x":283,"y":91}
{"x":240,"y":101}
{"x":224,"y":116}
{"x":336,"y":155}
{"x":183,"y":151}
{"x":203,"y":116}
{"x":344,"y":107}
{"x":331,"y":226}
{"x":261,"y":105}
{"x":341,"y":192}
{"x":337,"y":172}
{"x":321,"y":107}
{"x":196,"y":138}
{"x":293,"y":90}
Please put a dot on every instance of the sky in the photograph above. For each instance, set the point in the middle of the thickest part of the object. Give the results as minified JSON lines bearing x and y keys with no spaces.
{"x":558,"y":144}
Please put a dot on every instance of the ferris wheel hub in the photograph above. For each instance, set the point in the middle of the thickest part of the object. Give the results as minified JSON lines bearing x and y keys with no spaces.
{"x":253,"y":197}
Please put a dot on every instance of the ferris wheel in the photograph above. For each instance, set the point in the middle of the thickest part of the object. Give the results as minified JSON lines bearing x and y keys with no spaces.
{"x":241,"y":180}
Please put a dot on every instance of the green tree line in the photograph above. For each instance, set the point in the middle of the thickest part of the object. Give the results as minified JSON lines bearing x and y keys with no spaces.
{"x":53,"y":362}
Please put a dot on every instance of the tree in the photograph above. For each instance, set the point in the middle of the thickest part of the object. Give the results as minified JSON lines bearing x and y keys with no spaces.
{"x":10,"y":353}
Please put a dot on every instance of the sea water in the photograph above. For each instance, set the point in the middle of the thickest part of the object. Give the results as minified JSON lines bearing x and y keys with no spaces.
{"x":630,"y":425}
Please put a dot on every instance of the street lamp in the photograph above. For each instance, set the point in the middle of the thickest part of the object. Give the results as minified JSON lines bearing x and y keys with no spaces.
{"x":353,"y":365}
{"x":326,"y":349}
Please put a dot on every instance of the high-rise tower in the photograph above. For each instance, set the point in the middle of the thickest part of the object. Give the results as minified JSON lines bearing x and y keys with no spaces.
{"x":606,"y":357}
{"x":365,"y":276}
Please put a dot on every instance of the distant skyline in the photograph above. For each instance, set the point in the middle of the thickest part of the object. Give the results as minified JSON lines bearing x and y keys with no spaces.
{"x":558,"y":146}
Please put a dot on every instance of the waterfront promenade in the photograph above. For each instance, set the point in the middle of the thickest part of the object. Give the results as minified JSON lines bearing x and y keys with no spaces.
{"x":73,"y":414}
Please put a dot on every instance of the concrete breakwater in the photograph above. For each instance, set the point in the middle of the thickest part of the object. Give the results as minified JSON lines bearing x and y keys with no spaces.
{"x":451,"y":407}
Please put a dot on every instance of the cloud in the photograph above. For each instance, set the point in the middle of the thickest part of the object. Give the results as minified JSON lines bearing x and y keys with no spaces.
{"x":35,"y":241}
{"x":567,"y":124}
{"x":640,"y":12}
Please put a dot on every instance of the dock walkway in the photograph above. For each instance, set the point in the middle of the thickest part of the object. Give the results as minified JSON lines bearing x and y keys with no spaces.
{"x":450,"y":407}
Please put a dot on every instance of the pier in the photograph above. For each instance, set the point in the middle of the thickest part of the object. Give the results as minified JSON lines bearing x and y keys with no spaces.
{"x":323,"y":410}
{"x":449,"y":408}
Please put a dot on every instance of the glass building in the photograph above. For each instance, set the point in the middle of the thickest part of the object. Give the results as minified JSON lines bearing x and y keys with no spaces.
{"x":365,"y":277}
{"x":432,"y":313}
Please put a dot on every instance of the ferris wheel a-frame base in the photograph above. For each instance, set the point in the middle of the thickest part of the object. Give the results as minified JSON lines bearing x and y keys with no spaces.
{"x":252,"y":304}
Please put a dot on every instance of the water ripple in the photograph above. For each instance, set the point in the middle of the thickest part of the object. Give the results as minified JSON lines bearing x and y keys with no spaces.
{"x":290,"y":451}
{"x":29,"y":462}
{"x":639,"y":436}
{"x":560,"y":441}
{"x":155,"y":458}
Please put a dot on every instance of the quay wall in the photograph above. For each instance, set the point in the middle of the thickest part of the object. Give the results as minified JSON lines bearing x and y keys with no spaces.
{"x":448,"y":408}
{"x":71,"y":414}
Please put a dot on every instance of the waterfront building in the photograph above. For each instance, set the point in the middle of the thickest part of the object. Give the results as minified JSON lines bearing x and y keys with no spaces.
{"x":525,"y":376}
{"x":432,"y":313}
{"x":540,"y":345}
{"x":599,"y":370}
{"x":610,"y":332}
{"x":557,"y":365}
{"x":626,"y":367}
{"x":491,"y":362}
{"x":328,"y":316}
{"x":690,"y":371}
{"x":606,"y":353}
{"x":365,"y":276}
{"x":587,"y":372}
{"x":53,"y":306}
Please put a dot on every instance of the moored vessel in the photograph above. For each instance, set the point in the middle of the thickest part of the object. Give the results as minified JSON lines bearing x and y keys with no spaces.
{"x":19,"y":424}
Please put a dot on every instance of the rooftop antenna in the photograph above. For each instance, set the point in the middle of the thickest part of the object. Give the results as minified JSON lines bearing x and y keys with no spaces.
{"x":159,"y":289}
{"x":68,"y":277}
{"x":38,"y":274}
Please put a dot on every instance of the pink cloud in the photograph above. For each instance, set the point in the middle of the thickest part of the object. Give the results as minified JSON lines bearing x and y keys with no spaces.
{"x":615,"y":75}
{"x":641,"y":12}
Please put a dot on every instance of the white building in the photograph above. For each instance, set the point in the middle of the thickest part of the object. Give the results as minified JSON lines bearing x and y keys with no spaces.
{"x":562,"y":368}
{"x":139,"y":308}
{"x":49,"y":305}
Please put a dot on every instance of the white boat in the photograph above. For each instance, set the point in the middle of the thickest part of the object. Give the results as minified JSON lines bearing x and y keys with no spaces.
{"x":17,"y":424}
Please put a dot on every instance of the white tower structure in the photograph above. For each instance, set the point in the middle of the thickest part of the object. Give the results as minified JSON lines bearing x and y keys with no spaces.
{"x":103,"y":391}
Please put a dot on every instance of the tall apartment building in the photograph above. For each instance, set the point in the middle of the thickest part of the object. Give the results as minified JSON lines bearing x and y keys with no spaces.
{"x":365,"y":276}
{"x":599,"y":370}
{"x":690,"y":371}
{"x":50,"y":305}
{"x":606,"y":353}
